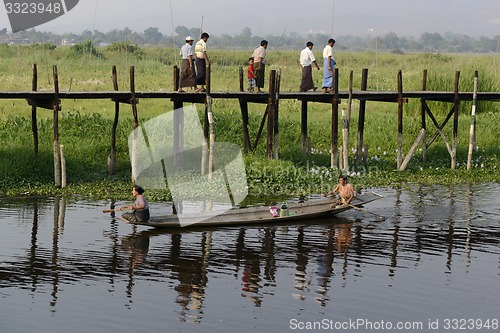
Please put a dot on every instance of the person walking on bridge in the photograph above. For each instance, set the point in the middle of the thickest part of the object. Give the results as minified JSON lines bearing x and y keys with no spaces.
{"x":259,"y":58}
{"x":328,"y":63}
{"x":200,"y":51}
{"x":306,"y":60}
{"x":188,"y":73}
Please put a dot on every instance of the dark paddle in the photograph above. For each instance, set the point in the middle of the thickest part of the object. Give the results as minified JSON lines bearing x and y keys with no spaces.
{"x":379,"y":217}
{"x":112,"y":210}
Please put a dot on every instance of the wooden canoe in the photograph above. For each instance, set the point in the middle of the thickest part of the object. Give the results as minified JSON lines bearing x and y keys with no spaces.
{"x":256,"y":215}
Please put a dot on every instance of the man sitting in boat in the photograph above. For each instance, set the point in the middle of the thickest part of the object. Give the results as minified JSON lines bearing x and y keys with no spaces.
{"x":140,"y":208}
{"x":345,"y":191}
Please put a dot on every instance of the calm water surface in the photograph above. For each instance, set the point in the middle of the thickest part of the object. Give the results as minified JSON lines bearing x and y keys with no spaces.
{"x":67,"y":267}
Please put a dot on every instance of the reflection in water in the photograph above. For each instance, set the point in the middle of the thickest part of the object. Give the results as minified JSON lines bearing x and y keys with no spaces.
{"x":251,"y":269}
{"x":308,"y":261}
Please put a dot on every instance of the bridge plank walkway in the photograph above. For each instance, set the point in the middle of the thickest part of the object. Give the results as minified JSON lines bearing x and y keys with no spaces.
{"x":124,"y":96}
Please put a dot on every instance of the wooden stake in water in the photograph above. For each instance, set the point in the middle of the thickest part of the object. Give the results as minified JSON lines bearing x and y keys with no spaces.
{"x":472,"y":133}
{"x":63,"y":167}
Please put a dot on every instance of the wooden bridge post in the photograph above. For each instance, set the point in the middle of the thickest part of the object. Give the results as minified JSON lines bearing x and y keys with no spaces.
{"x":112,"y":156}
{"x":34,"y":126}
{"x":56,"y":108}
{"x":271,"y":114}
{"x":303,"y":130}
{"x":276,"y":111}
{"x":335,"y":120}
{"x":247,"y":146}
{"x":241,"y":80}
{"x":456,"y":104}
{"x":178,"y":114}
{"x":400,"y":119}
{"x":424,"y":125}
{"x":361,"y":120}
{"x":244,"y":117}
{"x":133,"y":102}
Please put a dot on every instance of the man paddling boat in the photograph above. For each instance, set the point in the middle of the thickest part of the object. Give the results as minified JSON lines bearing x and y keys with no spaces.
{"x":344,"y":190}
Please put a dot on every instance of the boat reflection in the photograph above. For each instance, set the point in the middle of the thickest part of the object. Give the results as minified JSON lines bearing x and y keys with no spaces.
{"x":253,"y":262}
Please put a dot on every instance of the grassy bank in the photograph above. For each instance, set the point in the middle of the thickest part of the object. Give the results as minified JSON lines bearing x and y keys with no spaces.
{"x":85,"y":126}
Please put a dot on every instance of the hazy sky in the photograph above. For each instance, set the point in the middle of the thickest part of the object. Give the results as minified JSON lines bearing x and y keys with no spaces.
{"x":356,"y":17}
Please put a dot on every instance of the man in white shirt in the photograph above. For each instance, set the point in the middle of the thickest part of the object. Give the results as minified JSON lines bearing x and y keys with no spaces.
{"x":306,"y":60}
{"x":329,"y":62}
{"x":188,"y":74}
{"x":259,"y":63}
{"x":200,"y":51}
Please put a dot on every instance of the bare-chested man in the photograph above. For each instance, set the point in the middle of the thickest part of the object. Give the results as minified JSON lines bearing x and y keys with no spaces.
{"x":344,"y":189}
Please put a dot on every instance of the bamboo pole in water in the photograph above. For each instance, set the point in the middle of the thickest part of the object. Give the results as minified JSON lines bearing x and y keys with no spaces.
{"x":472,"y":133}
{"x":63,"y":167}
{"x":62,"y":216}
{"x":57,"y":170}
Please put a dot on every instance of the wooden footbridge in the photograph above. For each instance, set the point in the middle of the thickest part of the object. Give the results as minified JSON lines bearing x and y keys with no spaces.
{"x":52,"y":100}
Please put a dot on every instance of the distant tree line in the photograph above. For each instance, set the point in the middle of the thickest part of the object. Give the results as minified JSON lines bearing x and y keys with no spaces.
{"x":389,"y":42}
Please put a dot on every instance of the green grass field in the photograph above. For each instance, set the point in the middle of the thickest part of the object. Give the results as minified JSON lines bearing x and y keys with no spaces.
{"x":85,"y":126}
